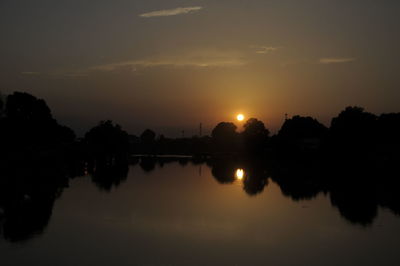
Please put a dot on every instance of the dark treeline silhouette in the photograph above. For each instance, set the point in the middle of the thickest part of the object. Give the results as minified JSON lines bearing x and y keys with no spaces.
{"x":27,"y":124}
{"x":28,"y":130}
{"x":353,"y":132}
{"x":356,"y":132}
{"x":149,"y":143}
{"x":224,"y":139}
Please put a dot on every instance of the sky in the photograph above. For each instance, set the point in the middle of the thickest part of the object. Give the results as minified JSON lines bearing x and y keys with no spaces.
{"x":170,"y":65}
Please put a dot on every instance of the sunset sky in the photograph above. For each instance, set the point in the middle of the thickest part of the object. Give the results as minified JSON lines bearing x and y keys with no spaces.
{"x":169,"y":65}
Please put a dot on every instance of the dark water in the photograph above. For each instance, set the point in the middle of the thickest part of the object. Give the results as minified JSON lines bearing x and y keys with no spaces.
{"x":197,"y":214}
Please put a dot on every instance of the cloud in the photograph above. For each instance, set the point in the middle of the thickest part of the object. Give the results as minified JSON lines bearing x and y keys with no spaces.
{"x":336,"y":60}
{"x":193,"y":59}
{"x":171,"y":12}
{"x":295,"y":62}
{"x":58,"y":74}
{"x":264,"y":49}
{"x":31,"y":73}
{"x":75,"y":75}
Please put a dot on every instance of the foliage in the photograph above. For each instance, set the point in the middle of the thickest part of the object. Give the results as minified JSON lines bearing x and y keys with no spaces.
{"x":107,"y":139}
{"x":225,"y":137}
{"x":28,"y":122}
{"x":255,"y":135}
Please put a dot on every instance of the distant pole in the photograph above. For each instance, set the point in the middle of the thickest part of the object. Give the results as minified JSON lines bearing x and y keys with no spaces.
{"x":286,"y":116}
{"x":200,"y":130}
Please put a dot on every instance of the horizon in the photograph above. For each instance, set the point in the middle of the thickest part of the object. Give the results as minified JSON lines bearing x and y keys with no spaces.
{"x":170,"y":66}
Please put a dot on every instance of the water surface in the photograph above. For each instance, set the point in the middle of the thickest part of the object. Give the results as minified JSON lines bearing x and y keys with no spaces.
{"x":191,"y":214}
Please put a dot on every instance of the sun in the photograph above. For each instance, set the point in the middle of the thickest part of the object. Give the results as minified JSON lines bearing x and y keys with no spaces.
{"x":240,"y":117}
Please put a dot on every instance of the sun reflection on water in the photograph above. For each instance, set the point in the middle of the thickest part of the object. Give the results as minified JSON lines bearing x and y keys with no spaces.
{"x":239,"y":174}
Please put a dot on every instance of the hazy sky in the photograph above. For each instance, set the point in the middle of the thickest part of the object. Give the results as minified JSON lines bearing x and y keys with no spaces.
{"x":170,"y":65}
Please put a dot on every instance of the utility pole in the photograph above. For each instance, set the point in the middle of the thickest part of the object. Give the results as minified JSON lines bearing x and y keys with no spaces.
{"x":200,"y":130}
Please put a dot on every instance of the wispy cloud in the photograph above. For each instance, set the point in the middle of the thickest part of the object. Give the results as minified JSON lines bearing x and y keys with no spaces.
{"x":336,"y":60}
{"x":171,"y":12}
{"x":264,"y":49}
{"x":58,"y":74}
{"x":30,"y":73}
{"x":194,"y":59}
{"x":77,"y":74}
{"x":296,"y":62}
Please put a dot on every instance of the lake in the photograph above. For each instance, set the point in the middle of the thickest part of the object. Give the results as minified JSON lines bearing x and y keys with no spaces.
{"x":198,"y":213}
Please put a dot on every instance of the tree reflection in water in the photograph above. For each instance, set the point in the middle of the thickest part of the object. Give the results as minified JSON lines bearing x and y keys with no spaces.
{"x":357,"y":188}
{"x":27,"y":196}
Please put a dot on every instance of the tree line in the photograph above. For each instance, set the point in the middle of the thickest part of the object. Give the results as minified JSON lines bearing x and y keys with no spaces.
{"x":27,"y":125}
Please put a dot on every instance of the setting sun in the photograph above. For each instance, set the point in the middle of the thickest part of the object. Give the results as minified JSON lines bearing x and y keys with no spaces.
{"x":240,"y":117}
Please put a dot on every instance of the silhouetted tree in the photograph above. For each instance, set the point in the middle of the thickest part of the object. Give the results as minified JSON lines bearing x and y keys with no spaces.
{"x":255,"y":135}
{"x":28,"y":123}
{"x":107,"y":142}
{"x":299,"y":127}
{"x":148,"y":141}
{"x":148,"y":136}
{"x":64,"y":134}
{"x":2,"y":125}
{"x":1,"y":106}
{"x":24,"y":107}
{"x":300,"y":134}
{"x":353,"y":131}
{"x":388,"y":135}
{"x":225,"y":137}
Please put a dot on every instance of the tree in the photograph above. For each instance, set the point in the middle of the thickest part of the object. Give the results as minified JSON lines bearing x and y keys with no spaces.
{"x":1,"y":106}
{"x":255,"y":135}
{"x":353,"y":130}
{"x":300,"y":133}
{"x":148,"y":141}
{"x":28,"y":122}
{"x":23,"y":107}
{"x":107,"y":141}
{"x":388,"y":140}
{"x":148,"y":136}
{"x":225,"y":137}
{"x":300,"y":127}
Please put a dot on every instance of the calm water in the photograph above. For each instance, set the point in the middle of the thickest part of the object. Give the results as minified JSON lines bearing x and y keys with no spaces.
{"x":190,"y":215}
